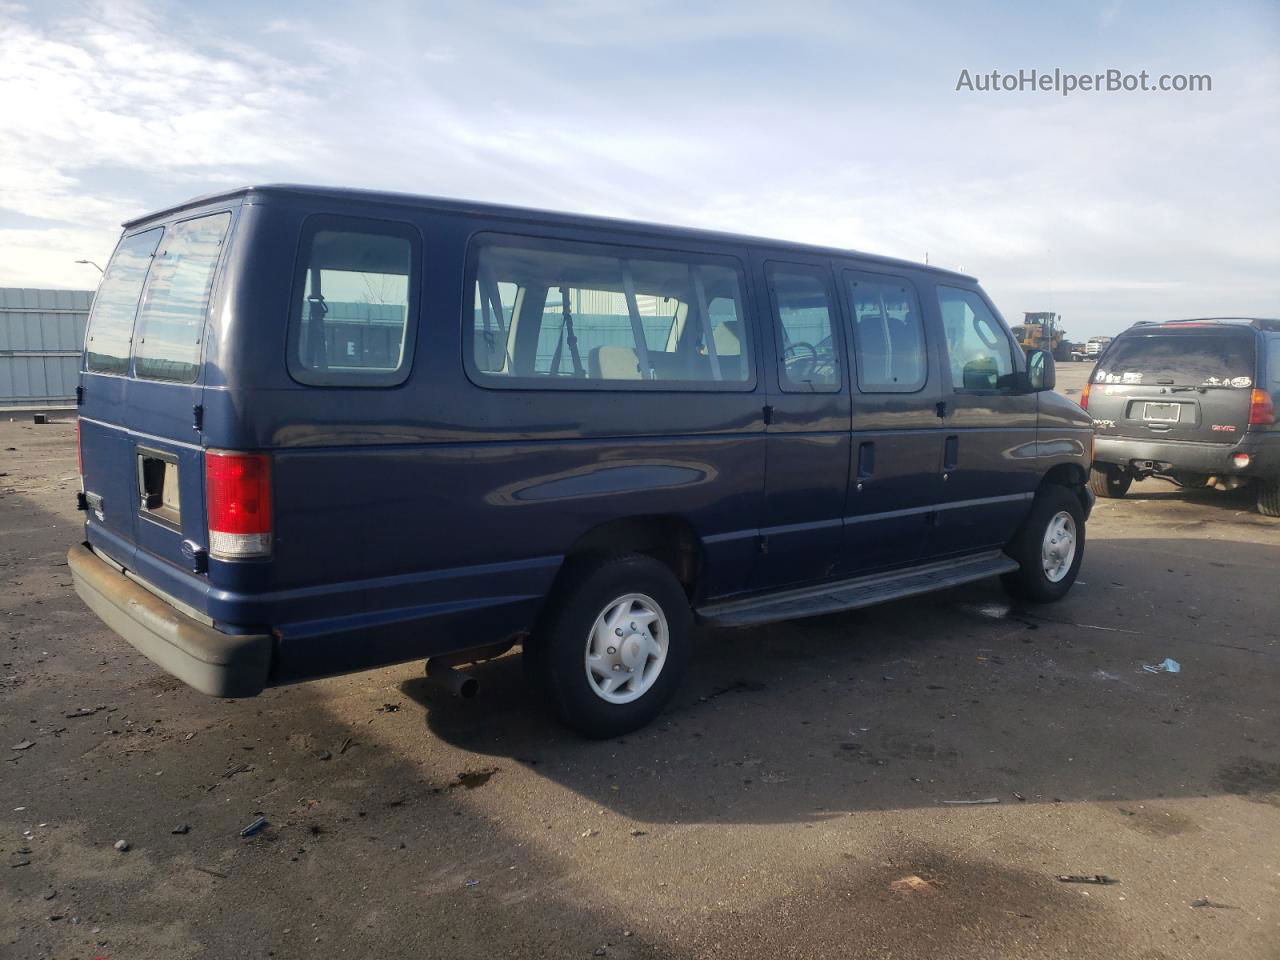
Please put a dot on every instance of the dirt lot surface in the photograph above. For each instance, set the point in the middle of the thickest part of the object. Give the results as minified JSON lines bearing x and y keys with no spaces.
{"x":792,"y":802}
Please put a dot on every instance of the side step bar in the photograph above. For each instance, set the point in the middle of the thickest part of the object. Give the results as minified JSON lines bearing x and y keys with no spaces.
{"x":811,"y":601}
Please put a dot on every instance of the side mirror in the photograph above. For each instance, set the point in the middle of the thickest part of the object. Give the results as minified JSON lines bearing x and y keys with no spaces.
{"x":1042,"y":374}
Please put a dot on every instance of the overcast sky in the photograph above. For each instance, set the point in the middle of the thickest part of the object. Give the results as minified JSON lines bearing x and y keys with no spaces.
{"x":834,"y":123}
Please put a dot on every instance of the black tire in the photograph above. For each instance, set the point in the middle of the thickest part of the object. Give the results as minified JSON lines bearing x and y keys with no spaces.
{"x":1108,"y":480}
{"x":554,"y":657}
{"x":1269,"y":496}
{"x":1030,"y":581}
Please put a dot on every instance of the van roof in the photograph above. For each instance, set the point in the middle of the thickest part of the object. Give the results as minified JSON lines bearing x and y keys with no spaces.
{"x":528,"y":213}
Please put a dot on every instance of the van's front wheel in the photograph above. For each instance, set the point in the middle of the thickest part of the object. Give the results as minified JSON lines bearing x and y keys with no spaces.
{"x":1048,"y":548}
{"x":612,"y":646}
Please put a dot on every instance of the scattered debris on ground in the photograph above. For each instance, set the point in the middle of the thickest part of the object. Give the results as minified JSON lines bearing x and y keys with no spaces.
{"x":254,"y":827}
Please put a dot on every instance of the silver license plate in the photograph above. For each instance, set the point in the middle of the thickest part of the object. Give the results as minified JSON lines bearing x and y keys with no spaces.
{"x":1162,"y":412}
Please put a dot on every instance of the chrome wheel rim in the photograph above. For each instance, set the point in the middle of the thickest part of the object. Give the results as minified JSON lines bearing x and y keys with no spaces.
{"x":626,"y":648}
{"x":1058,"y":550}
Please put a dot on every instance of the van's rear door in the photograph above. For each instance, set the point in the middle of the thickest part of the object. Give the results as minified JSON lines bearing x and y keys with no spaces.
{"x":1176,"y":382}
{"x":142,"y":381}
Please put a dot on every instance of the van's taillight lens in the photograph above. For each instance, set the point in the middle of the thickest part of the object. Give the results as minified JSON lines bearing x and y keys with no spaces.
{"x":238,"y":494}
{"x":79,"y":451}
{"x":1084,"y":396}
{"x":1262,"y":410}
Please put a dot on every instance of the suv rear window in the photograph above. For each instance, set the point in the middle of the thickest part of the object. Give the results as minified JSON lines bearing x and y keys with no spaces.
{"x":1210,"y":359}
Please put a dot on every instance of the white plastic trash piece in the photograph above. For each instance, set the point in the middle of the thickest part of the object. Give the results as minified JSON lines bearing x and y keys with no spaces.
{"x":1167,"y":665}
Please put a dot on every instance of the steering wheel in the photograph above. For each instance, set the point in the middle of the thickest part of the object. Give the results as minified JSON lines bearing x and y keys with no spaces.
{"x":800,"y":359}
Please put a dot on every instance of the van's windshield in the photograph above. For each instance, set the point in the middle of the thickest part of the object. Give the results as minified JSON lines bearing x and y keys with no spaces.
{"x":1200,"y":360}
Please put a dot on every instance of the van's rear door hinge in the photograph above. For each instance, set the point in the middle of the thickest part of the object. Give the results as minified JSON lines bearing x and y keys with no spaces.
{"x":79,"y":395}
{"x":197,"y":417}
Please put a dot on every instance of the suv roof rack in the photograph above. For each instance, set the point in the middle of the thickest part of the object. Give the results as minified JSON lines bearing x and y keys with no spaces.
{"x":1262,"y":323}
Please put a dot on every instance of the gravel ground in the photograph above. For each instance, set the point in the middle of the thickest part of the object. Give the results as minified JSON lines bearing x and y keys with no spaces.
{"x":790,"y":804}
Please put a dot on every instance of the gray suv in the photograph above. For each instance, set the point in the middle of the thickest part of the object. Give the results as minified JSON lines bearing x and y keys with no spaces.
{"x":1193,"y":401}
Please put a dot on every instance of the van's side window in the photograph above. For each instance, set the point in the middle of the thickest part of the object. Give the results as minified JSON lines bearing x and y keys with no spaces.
{"x":354,"y":299}
{"x":979,"y":350}
{"x":116,"y":304}
{"x":888,"y":335}
{"x":577,"y":315}
{"x":806,"y":347}
{"x":171,"y":321}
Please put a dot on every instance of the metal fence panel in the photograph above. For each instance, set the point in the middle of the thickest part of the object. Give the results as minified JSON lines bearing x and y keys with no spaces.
{"x":41,"y":335}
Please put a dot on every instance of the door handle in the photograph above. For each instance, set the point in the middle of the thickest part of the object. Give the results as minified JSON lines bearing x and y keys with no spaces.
{"x":866,"y":462}
{"x":950,"y":455}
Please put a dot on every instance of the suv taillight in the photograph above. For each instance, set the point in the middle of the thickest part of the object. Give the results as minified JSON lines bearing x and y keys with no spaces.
{"x":1084,"y":396}
{"x":238,"y":496}
{"x":1262,"y":410}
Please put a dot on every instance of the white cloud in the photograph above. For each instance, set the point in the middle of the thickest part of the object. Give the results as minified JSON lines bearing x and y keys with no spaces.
{"x":121,"y":91}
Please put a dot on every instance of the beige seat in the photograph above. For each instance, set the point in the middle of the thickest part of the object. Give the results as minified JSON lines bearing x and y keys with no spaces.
{"x":613,"y":363}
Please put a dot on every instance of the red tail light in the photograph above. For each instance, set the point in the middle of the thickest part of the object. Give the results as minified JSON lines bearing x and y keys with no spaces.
{"x":1262,"y":410}
{"x":238,"y":495}
{"x":1084,"y":396}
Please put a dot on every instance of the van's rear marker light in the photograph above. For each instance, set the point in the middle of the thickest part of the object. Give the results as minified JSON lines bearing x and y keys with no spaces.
{"x":238,"y":487}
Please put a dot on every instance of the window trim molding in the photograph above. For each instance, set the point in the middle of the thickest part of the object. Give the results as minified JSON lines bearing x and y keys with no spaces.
{"x":606,"y":247}
{"x":344,"y":223}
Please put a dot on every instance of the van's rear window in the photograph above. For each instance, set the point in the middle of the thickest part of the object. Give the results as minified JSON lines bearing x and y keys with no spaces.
{"x":171,"y":321}
{"x":1210,"y":359}
{"x":353,"y":298}
{"x":116,"y":304}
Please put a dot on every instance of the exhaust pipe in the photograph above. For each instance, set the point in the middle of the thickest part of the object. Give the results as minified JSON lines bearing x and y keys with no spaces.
{"x":454,"y":681}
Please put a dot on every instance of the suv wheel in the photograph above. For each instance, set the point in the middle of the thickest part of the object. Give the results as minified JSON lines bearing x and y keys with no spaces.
{"x":1048,"y":547}
{"x":1109,"y":480}
{"x":612,"y":645}
{"x":1269,"y":496}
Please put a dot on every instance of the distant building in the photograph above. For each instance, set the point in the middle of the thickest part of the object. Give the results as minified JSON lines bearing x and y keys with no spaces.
{"x":41,"y":335}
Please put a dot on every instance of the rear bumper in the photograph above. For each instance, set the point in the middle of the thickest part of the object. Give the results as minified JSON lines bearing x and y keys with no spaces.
{"x":219,"y":664}
{"x":1183,"y":455}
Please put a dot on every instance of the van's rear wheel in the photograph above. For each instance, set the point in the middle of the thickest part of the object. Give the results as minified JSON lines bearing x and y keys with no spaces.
{"x":1269,"y":496}
{"x":612,"y":646}
{"x":1049,"y":547}
{"x":1108,"y":480}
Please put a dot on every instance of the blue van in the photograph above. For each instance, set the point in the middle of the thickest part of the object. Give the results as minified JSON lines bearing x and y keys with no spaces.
{"x":326,"y":430}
